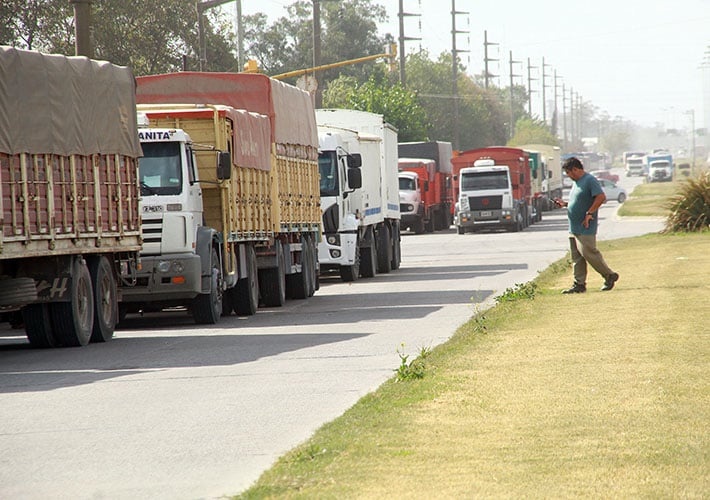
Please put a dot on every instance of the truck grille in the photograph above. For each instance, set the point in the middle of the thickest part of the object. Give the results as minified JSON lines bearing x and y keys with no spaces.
{"x":485,"y":202}
{"x":152,"y":230}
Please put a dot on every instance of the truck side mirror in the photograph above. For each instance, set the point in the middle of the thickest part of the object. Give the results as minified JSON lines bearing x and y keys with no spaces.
{"x":224,"y":165}
{"x":354,"y":160}
{"x":354,"y":178}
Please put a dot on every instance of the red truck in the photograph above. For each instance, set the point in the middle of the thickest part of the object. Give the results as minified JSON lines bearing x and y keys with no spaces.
{"x":493,"y":190}
{"x":425,"y":185}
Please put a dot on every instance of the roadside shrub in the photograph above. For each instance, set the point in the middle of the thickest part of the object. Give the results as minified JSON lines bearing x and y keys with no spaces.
{"x":690,"y":208}
{"x":411,"y":370}
{"x":519,"y":291}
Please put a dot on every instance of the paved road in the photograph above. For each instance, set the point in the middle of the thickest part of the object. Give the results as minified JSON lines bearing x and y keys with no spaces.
{"x":171,"y":410}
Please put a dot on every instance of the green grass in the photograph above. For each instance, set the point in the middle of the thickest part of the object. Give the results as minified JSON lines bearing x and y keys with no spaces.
{"x":648,"y":199}
{"x":603,"y":394}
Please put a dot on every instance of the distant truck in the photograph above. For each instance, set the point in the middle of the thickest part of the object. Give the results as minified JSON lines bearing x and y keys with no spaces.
{"x":551,"y":172}
{"x":634,"y":164}
{"x":493,"y":189}
{"x":71,"y":232}
{"x":231,"y":206}
{"x":425,"y":185}
{"x":659,"y":167}
{"x":361,"y":225}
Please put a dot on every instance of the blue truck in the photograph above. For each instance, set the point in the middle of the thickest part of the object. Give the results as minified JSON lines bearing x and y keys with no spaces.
{"x":659,"y":167}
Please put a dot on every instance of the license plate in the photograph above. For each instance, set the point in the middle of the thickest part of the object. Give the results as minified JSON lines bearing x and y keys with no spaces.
{"x":485,"y":213}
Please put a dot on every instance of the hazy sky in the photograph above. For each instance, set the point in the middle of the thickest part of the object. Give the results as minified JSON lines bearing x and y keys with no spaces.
{"x":638,"y":59}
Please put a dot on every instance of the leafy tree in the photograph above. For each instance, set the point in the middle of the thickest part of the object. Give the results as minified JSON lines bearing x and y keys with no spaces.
{"x":481,"y":117}
{"x":532,"y":131}
{"x":348,"y":31}
{"x":45,"y":25}
{"x":149,"y":36}
{"x":398,"y":105}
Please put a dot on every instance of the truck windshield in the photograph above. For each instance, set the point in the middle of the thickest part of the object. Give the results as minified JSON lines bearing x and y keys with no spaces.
{"x":484,"y":180}
{"x":328,"y":167}
{"x":159,"y":168}
{"x":406,"y":184}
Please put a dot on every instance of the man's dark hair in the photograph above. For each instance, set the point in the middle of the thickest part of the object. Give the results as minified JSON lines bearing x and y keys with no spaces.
{"x":572,"y":162}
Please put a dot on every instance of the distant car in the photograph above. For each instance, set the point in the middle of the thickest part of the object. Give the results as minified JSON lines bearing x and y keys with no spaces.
{"x":612,"y":191}
{"x":605,"y":174}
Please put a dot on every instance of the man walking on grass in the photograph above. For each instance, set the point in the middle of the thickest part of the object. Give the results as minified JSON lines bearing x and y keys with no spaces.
{"x":584,"y":200}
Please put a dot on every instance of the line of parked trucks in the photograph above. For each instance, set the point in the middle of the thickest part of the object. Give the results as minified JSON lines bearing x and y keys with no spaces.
{"x":656,"y":166}
{"x":228,"y":195}
{"x":215,"y":192}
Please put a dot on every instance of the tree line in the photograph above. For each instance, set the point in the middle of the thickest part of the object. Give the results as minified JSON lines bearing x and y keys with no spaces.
{"x":161,"y":36}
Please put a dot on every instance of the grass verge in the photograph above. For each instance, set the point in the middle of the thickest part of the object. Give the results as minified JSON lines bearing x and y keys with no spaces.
{"x":649,"y":199}
{"x":592,"y":395}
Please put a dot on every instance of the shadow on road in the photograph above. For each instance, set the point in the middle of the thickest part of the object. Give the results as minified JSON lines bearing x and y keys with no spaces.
{"x":59,"y":368}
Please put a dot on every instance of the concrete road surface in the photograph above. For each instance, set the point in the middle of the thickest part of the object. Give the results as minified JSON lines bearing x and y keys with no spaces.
{"x":176,"y":411}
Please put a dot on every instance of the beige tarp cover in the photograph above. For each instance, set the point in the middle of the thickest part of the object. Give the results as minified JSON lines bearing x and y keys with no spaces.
{"x":65,"y":105}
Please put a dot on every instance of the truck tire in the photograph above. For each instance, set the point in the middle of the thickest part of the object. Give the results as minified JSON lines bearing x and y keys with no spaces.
{"x":245,"y":295}
{"x":313,"y":284}
{"x":460,"y":229}
{"x":207,"y":307}
{"x":384,"y":250}
{"x":73,"y":321}
{"x":368,"y":261}
{"x":38,"y":326}
{"x":105,"y":289}
{"x":418,"y":226}
{"x":298,"y":285}
{"x":272,"y":281}
{"x":17,"y":291}
{"x":351,"y":273}
{"x":396,"y":248}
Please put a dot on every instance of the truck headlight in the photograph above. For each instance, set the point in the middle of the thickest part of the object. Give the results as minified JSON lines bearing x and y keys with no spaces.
{"x":333,"y":239}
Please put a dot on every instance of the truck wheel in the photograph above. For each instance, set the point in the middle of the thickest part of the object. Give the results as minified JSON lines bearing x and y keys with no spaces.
{"x":384,"y":250}
{"x":17,"y":291}
{"x":460,"y":229}
{"x":272,"y":281}
{"x":368,"y":261}
{"x":246,"y":294}
{"x":38,"y":326}
{"x":351,"y":273}
{"x":207,"y":307}
{"x":73,"y":321}
{"x":313,"y":284}
{"x":396,"y":248}
{"x":418,"y":226}
{"x":105,"y":299}
{"x":298,"y":285}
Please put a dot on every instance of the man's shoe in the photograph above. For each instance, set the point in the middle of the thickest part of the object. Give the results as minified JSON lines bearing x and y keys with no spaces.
{"x":609,"y":282}
{"x":576,"y":288}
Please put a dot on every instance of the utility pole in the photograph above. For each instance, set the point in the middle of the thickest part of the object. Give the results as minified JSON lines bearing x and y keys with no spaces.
{"x":201,"y":7}
{"x":512,"y":112}
{"x":544,"y":86}
{"x":555,"y":116}
{"x":455,"y":60}
{"x":316,"y":50}
{"x":82,"y":27}
{"x":691,"y":112}
{"x":530,"y":90}
{"x":240,"y":37}
{"x":564,"y":119}
{"x":487,"y":74}
{"x":402,"y":39}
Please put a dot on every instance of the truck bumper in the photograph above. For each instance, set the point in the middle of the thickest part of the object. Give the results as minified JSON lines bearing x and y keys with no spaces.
{"x":166,"y":278}
{"x":336,"y":250}
{"x":486,"y":218}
